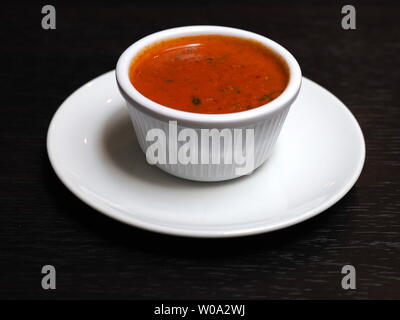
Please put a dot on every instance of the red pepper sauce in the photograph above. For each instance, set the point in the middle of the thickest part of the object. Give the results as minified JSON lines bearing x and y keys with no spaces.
{"x":209,"y":74}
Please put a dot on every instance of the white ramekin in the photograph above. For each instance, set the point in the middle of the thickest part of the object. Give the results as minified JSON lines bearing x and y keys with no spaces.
{"x":266,"y":120}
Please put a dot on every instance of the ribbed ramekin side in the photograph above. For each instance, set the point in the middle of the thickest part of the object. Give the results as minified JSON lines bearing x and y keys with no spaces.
{"x":265,"y":136}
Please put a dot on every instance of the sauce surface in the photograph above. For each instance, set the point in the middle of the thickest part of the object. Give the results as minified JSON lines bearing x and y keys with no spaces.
{"x":209,"y":74}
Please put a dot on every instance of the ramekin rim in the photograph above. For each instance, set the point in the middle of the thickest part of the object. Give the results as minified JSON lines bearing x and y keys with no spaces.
{"x":164,"y":112}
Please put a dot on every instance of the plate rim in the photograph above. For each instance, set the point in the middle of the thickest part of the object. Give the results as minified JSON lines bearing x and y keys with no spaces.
{"x":179,"y":231}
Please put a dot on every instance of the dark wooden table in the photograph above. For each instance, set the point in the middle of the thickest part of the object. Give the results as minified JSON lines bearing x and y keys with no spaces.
{"x":41,"y":222}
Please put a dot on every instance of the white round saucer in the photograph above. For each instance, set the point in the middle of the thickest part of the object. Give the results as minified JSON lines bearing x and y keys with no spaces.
{"x":318,"y":158}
